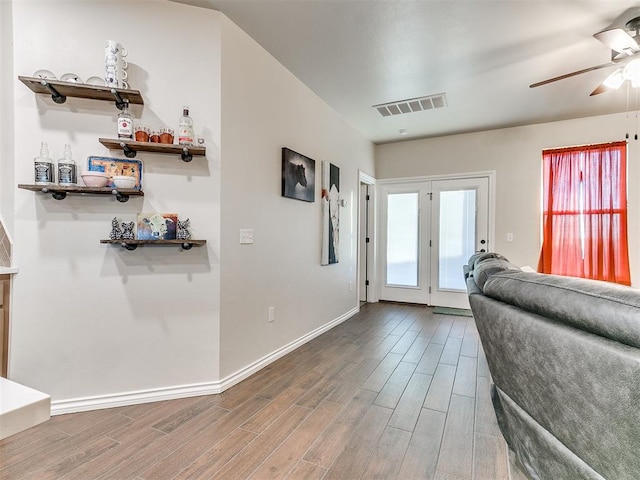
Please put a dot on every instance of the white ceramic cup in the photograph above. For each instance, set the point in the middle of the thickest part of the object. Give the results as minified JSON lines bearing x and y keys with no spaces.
{"x":113,"y":48}
{"x":114,"y":64}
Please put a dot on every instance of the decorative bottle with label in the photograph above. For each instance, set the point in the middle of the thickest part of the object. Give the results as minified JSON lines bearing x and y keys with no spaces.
{"x":186,"y":134}
{"x":125,"y":122}
{"x":67,"y":170}
{"x":43,"y":165}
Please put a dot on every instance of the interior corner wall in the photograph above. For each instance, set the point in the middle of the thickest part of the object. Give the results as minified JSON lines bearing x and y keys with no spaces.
{"x":264,"y":109}
{"x":6,"y":114}
{"x":516,"y":156}
{"x":94,"y":323}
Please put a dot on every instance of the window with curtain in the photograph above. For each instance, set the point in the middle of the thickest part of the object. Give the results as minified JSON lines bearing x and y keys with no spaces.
{"x":585,"y":212}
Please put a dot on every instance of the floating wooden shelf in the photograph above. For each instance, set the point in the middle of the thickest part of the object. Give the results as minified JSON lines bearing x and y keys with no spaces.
{"x":59,"y":91}
{"x":131,"y":148}
{"x":133,"y":244}
{"x":59,"y":192}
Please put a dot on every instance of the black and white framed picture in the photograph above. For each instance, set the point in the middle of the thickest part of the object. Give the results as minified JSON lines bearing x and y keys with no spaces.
{"x":330,"y":213}
{"x":298,"y":176}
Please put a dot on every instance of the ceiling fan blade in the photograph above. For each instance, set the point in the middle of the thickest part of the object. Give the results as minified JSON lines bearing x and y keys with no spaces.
{"x":618,"y":39}
{"x":573,"y":74}
{"x":599,"y":89}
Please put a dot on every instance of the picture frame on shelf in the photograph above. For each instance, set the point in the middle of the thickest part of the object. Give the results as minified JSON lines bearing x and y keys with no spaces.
{"x":156,"y":226}
{"x":117,"y":167}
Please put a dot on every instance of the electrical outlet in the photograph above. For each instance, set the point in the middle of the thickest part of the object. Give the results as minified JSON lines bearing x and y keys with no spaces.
{"x":351,"y":286}
{"x":272,"y":314}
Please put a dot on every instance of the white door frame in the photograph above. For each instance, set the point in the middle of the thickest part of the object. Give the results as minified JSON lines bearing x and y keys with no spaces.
{"x":372,"y":263}
{"x":491,"y":176}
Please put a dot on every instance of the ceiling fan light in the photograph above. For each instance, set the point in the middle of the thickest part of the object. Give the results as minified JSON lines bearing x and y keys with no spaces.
{"x":615,"y":80}
{"x":632,"y":70}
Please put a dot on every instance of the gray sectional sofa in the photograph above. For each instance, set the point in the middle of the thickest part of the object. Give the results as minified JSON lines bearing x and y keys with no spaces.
{"x":564,"y":357}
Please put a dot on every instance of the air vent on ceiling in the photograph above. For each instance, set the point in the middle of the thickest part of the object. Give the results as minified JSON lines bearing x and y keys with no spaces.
{"x":412,"y":105}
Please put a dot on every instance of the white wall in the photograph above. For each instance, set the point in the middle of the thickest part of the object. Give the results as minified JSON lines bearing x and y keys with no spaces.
{"x":515,"y":155}
{"x":92,"y":320}
{"x":94,"y":325}
{"x":266,"y":108}
{"x":6,"y":115}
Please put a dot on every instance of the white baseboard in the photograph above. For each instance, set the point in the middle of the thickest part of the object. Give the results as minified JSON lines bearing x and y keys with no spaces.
{"x":60,"y":407}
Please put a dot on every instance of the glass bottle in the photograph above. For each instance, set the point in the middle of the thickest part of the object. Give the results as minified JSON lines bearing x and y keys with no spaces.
{"x":125,"y":122}
{"x":185,"y":128}
{"x":67,"y":170}
{"x":43,"y":165}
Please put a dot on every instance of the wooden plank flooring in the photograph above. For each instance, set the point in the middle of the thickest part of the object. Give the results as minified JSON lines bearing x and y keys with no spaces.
{"x":395,"y":392}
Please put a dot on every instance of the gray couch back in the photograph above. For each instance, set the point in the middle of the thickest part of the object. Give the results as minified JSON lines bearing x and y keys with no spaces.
{"x":564,"y":358}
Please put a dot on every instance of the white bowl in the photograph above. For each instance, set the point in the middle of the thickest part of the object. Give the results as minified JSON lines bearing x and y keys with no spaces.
{"x":71,"y":78}
{"x":124,"y":181}
{"x":97,"y":81}
{"x":45,"y":75}
{"x":95,"y":179}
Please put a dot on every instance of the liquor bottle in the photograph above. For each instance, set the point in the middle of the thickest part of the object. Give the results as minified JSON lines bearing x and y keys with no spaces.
{"x":44,"y":169}
{"x":67,"y":170}
{"x":185,"y":128}
{"x":125,"y":122}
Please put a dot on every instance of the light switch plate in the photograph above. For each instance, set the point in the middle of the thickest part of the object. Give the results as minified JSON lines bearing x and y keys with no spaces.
{"x":246,"y":235}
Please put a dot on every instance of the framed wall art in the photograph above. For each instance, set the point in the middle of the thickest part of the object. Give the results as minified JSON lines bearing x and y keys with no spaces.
{"x":157,"y":226}
{"x":330,"y":213}
{"x":116,"y":166}
{"x":298,"y":176}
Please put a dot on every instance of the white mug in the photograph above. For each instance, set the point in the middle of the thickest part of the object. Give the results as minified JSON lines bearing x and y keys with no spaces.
{"x":115,"y":77}
{"x":115,"y":64}
{"x":112,"y":47}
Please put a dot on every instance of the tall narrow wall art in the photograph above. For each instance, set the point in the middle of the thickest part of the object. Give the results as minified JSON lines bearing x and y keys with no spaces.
{"x":330,"y":213}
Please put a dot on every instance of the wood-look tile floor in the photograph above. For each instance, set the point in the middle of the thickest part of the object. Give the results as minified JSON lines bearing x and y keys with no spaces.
{"x":395,"y":392}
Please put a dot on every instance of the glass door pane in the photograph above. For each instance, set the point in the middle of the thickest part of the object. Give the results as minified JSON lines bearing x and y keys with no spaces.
{"x":402,"y":239}
{"x":459,"y":227}
{"x":457,"y":236}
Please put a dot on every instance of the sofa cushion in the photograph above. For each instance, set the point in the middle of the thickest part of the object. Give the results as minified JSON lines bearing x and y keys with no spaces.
{"x":485,"y":267}
{"x":479,"y":256}
{"x":602,"y":308}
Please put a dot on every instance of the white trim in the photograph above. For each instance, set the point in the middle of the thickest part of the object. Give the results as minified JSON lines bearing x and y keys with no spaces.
{"x":426,"y":178}
{"x":366,"y":178}
{"x":97,"y":402}
{"x":372,"y":294}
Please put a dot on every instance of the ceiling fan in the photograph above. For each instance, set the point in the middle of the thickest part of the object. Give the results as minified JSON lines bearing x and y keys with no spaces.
{"x":625,"y":53}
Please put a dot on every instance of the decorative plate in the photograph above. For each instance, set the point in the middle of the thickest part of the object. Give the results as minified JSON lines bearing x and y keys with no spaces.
{"x":117,"y":166}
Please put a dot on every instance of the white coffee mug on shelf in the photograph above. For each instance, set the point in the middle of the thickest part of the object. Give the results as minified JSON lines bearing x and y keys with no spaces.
{"x":114,"y":64}
{"x":115,"y":76}
{"x":113,"y":51}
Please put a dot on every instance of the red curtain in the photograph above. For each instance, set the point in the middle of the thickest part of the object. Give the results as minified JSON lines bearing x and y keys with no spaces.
{"x":585,"y":212}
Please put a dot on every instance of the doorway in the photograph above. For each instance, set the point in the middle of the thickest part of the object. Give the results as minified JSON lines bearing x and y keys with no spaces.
{"x":366,"y":239}
{"x":429,"y":229}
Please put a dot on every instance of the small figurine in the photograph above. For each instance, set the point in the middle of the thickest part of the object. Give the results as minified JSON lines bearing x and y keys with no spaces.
{"x":116,"y":232}
{"x":127,"y":234}
{"x":183,"y":230}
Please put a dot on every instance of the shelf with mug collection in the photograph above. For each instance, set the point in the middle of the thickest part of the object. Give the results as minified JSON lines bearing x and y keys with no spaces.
{"x":60,"y":90}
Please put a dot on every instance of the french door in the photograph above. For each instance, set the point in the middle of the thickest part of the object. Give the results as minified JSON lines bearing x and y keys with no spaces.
{"x":429,"y":231}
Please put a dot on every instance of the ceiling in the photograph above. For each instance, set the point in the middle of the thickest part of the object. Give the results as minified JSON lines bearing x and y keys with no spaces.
{"x":482,"y":54}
